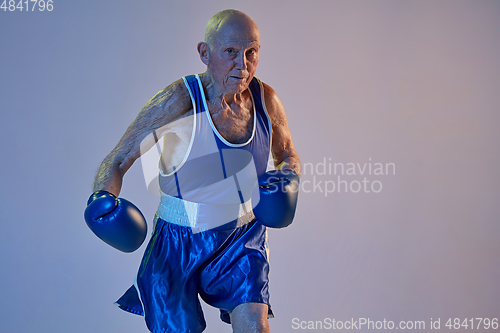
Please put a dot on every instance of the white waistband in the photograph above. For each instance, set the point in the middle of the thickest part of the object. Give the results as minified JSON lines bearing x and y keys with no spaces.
{"x":200,"y":216}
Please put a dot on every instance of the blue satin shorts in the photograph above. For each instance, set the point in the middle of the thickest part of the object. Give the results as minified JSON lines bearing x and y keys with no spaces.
{"x":225,"y":267}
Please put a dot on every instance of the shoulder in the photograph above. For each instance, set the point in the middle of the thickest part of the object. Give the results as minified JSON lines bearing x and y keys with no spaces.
{"x":169,"y":104}
{"x":175,"y":96}
{"x":274,"y":106}
{"x":270,"y":96}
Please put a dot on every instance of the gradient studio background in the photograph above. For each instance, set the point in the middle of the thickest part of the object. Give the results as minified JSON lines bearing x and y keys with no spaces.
{"x":414,"y":83}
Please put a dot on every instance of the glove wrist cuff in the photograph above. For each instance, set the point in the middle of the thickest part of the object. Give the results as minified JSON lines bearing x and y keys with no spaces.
{"x":98,"y":194}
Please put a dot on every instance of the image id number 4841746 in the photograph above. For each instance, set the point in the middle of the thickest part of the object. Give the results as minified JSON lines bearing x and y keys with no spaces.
{"x":27,"y":5}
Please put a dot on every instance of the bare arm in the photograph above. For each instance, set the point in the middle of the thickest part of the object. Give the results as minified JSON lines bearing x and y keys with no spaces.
{"x":284,"y":154}
{"x":166,"y":106}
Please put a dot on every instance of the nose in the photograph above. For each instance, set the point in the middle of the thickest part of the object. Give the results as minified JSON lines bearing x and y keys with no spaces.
{"x":240,"y":61}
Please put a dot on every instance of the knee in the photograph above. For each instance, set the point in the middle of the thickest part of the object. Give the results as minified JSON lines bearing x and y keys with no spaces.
{"x":257,"y":327}
{"x":250,"y":318}
{"x":252,"y":325}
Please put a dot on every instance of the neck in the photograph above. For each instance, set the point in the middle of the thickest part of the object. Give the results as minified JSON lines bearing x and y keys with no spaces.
{"x":217,"y":96}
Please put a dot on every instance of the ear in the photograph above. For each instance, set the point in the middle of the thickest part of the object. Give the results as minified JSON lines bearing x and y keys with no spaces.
{"x":203,"y":51}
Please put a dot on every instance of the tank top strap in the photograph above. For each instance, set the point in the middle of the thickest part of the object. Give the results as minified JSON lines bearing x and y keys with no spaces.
{"x":193,"y":82}
{"x":257,"y":90}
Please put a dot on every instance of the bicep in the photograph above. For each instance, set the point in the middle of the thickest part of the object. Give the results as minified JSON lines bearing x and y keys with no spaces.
{"x":282,"y":144}
{"x":157,"y":114}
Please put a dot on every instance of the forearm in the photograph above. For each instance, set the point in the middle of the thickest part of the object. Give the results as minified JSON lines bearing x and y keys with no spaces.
{"x":109,"y":177}
{"x":291,"y":161}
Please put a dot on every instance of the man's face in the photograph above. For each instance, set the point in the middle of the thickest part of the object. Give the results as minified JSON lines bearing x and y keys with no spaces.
{"x":234,"y":55}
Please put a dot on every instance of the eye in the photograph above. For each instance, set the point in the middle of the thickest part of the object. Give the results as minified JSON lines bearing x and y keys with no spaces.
{"x":230,"y":51}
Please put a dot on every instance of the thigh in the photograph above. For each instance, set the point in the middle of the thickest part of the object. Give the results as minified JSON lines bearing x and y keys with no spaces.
{"x":167,"y":281}
{"x":239,"y":272}
{"x":250,"y":318}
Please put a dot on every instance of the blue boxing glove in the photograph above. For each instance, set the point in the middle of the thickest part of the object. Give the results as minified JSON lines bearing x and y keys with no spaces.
{"x":278,"y":190}
{"x":116,"y":221}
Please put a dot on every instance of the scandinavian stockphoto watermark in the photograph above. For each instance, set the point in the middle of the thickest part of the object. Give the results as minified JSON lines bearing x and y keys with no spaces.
{"x":366,"y":324}
{"x":329,"y":177}
{"x":168,"y":149}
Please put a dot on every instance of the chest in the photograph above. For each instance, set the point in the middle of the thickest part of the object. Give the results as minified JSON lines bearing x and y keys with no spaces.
{"x":236,"y":126}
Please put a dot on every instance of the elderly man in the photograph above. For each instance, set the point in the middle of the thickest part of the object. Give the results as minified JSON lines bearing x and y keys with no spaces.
{"x":211,"y":122}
